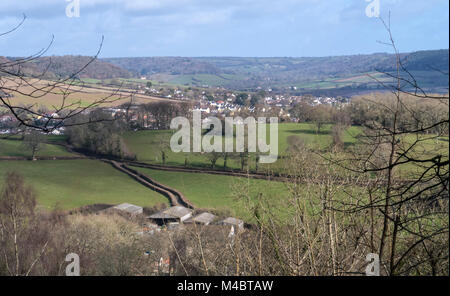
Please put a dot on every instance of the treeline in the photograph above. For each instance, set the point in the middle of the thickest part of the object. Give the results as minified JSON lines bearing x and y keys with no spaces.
{"x":55,"y":67}
{"x":413,"y":114}
{"x":102,"y":136}
{"x":362,"y":110}
{"x":158,"y":115}
{"x":167,"y":65}
{"x":253,"y":72}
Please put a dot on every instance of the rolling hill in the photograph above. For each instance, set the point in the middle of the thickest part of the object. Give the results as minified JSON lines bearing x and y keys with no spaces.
{"x":65,"y":66}
{"x":246,"y":73}
{"x":308,"y":74}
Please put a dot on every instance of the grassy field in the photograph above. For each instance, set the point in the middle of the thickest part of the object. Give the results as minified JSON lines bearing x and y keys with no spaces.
{"x":145,"y":144}
{"x":217,"y":192}
{"x":204,"y":79}
{"x":75,"y":183}
{"x":17,"y":149}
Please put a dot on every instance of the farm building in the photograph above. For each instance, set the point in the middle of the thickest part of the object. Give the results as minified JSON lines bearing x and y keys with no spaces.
{"x":177,"y":214}
{"x":239,"y":224}
{"x":129,"y":208}
{"x":203,"y":218}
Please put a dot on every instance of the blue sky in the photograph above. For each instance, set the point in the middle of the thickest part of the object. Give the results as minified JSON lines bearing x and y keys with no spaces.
{"x":294,"y":28}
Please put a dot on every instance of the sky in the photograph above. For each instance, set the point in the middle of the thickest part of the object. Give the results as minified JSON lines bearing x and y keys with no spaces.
{"x":245,"y":28}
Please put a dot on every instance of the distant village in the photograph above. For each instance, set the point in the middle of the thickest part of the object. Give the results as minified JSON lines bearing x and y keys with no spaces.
{"x":211,"y":102}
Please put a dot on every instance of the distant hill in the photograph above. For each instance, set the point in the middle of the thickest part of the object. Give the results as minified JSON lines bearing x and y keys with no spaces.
{"x":165,"y":65}
{"x":429,"y":59}
{"x":343,"y":73}
{"x":245,"y":73}
{"x":65,"y":66}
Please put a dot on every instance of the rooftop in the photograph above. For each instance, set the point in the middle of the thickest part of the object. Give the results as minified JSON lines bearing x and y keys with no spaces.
{"x":177,"y":211}
{"x":173,"y":212}
{"x":204,"y":218}
{"x":129,"y":208}
{"x":232,"y":221}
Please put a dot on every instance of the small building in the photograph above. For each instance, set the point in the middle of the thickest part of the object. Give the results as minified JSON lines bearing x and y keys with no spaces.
{"x":177,"y":214}
{"x":203,"y":219}
{"x":239,"y":224}
{"x":129,"y":208}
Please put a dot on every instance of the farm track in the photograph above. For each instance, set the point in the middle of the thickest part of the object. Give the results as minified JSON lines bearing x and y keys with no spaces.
{"x":175,"y":197}
{"x":259,"y":176}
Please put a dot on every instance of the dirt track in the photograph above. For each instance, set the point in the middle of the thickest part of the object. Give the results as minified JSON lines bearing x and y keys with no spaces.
{"x":207,"y":171}
{"x":175,"y":197}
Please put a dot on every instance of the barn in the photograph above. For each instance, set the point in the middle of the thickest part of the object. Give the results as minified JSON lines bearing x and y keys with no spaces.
{"x":177,"y":214}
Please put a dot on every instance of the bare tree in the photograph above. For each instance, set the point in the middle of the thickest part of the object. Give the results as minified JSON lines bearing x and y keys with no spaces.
{"x":14,"y":81}
{"x":400,"y":152}
{"x":213,"y":157}
{"x":33,"y":141}
{"x":163,"y":147}
{"x":17,"y":203}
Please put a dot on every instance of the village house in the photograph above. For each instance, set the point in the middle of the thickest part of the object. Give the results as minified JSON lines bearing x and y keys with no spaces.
{"x":7,"y":118}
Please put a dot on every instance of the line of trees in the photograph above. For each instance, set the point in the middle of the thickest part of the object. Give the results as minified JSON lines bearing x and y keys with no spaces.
{"x":104,"y":137}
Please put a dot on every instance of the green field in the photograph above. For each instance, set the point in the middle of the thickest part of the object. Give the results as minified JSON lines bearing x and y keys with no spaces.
{"x":204,"y":79}
{"x":17,"y":149}
{"x":216,"y":191}
{"x":75,"y":183}
{"x":145,"y":144}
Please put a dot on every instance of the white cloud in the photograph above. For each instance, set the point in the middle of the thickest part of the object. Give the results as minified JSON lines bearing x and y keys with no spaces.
{"x":202,"y":27}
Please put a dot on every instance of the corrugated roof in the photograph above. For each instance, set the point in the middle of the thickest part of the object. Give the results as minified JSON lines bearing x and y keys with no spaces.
{"x":173,"y":212}
{"x":203,"y":218}
{"x":177,"y":211}
{"x":129,"y":208}
{"x":232,"y":221}
{"x":160,"y":215}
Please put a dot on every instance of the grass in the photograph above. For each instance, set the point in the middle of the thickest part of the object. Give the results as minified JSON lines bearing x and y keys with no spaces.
{"x":216,"y":191}
{"x":204,"y":79}
{"x":428,"y":147}
{"x":17,"y":149}
{"x":75,"y":183}
{"x":145,"y":144}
